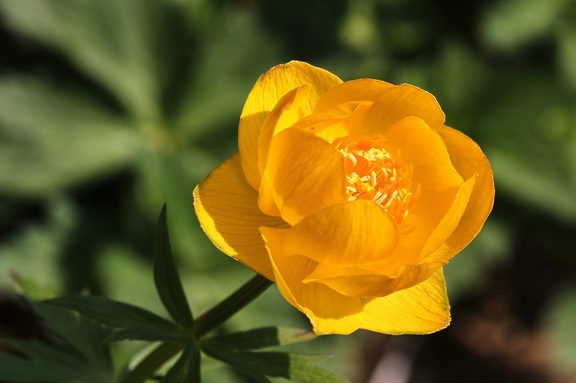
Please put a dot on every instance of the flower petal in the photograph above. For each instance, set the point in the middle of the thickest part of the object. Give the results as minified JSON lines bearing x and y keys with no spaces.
{"x":354,"y":281}
{"x":346,"y":234}
{"x":328,"y":311}
{"x":265,"y":94}
{"x":439,"y":182}
{"x":336,"y":122}
{"x":469,"y":161}
{"x":397,"y":103}
{"x":421,"y":309}
{"x":451,"y":220}
{"x":352,"y":91}
{"x":226,"y":206}
{"x":290,"y":109}
{"x":303,"y":174}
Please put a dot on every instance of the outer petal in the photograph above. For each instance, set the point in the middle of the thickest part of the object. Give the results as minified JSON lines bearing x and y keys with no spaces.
{"x":352,"y":91}
{"x":290,"y":109}
{"x":346,"y":234}
{"x":303,"y":174}
{"x":354,"y":281}
{"x":397,"y":103}
{"x":380,"y":280}
{"x":469,"y":161}
{"x":451,"y":220}
{"x":439,"y":183}
{"x":336,"y":122}
{"x":328,"y":311}
{"x":267,"y":91}
{"x":227,"y":209}
{"x":421,"y":309}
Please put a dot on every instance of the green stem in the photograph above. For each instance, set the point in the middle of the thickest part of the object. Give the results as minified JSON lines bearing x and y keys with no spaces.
{"x":202,"y":326}
{"x":230,"y":306}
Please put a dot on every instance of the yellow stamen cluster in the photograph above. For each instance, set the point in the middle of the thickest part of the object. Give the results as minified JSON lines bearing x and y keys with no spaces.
{"x":372,"y":173}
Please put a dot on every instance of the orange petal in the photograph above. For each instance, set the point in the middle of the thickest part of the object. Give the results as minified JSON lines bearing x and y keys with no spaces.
{"x":336,"y":122}
{"x":352,"y":91}
{"x":328,"y":311}
{"x":421,"y":309}
{"x":346,"y":234}
{"x":451,"y":220}
{"x":267,"y":91}
{"x":397,"y":103}
{"x":470,"y":162}
{"x":226,"y":206}
{"x":422,"y":148}
{"x":290,"y":109}
{"x":303,"y":174}
{"x":356,"y":282}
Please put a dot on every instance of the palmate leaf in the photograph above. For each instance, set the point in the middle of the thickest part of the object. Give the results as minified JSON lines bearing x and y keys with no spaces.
{"x":259,"y":365}
{"x":127,"y":321}
{"x":58,"y":136}
{"x":128,"y":46}
{"x":47,"y":364}
{"x":187,"y":367}
{"x":237,"y":350}
{"x":86,"y":335}
{"x":166,"y":277}
{"x":74,"y":351}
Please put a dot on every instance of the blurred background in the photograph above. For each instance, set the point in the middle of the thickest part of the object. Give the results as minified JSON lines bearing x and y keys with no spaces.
{"x":110,"y":108}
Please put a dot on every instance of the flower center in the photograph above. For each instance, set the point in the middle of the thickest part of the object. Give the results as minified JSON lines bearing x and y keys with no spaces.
{"x":373,"y":173}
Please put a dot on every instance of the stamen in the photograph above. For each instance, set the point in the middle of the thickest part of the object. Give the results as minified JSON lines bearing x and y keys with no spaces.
{"x":375,"y":174}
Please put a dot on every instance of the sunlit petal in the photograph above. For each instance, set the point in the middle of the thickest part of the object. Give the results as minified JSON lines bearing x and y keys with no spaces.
{"x":470,"y":161}
{"x":357,"y":282}
{"x":291,"y":108}
{"x":421,"y":309}
{"x":438,"y":180}
{"x":303,"y":174}
{"x":336,"y":122}
{"x":346,"y":234}
{"x":397,"y":103}
{"x":328,"y":311}
{"x":226,"y":206}
{"x":267,"y":91}
{"x":361,"y":90}
{"x":450,"y":222}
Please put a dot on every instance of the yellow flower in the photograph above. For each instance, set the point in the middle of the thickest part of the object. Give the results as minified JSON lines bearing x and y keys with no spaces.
{"x":351,"y":196}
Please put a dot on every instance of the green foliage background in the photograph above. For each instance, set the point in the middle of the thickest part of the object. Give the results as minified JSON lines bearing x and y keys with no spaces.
{"x":110,"y":108}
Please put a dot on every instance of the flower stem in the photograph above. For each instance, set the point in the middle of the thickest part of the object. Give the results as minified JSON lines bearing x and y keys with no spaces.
{"x":230,"y":306}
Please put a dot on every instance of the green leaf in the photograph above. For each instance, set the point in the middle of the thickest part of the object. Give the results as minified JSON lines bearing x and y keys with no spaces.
{"x":128,"y":321}
{"x":129,"y":46}
{"x":150,"y":363}
{"x":86,"y":335}
{"x":528,"y":136}
{"x":187,"y":367}
{"x":260,"y":338}
{"x":32,"y":259}
{"x":58,"y":137}
{"x":166,"y":277}
{"x":47,"y":364}
{"x":296,"y":367}
{"x":73,"y":351}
